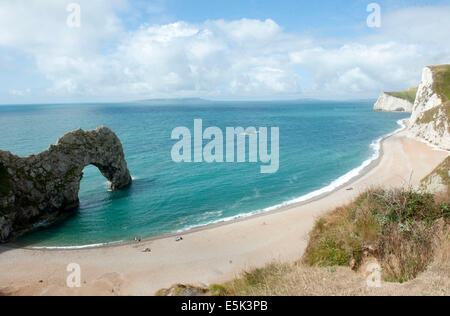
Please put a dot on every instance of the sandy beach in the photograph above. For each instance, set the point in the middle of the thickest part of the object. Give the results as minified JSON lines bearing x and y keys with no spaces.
{"x":215,"y":254}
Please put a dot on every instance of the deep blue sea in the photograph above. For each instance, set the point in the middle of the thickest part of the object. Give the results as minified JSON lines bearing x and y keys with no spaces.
{"x":322,"y":145}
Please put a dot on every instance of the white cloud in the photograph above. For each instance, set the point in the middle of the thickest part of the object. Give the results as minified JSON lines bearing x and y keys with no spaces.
{"x":359,"y":69}
{"x":218,"y":58}
{"x":180,"y":59}
{"x":39,"y":27}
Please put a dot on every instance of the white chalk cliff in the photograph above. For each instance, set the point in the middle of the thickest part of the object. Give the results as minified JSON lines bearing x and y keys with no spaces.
{"x":389,"y":103}
{"x":430,"y":116}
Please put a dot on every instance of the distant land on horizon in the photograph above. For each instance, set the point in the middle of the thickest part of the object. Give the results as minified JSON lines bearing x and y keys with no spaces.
{"x":196,"y":101}
{"x":209,"y":101}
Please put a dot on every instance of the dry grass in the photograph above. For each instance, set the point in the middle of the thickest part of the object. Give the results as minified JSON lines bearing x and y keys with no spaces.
{"x":407,"y":232}
{"x":397,"y":227}
{"x":442,"y":171}
{"x":280,"y":279}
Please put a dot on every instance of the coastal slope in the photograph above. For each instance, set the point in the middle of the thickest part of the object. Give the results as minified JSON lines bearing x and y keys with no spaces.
{"x":430,"y":116}
{"x":255,"y":242}
{"x":439,"y":180}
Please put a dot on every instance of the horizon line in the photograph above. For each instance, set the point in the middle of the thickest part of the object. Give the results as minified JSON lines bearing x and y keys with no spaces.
{"x":192,"y":99}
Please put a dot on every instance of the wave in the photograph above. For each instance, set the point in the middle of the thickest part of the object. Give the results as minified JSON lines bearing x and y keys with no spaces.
{"x":80,"y":247}
{"x":341,"y":181}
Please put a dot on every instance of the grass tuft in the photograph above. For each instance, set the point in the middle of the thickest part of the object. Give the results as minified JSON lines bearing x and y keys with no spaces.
{"x":394,"y":226}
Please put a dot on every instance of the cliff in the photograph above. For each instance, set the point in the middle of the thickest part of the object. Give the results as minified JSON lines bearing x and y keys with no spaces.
{"x":44,"y":187}
{"x":430,"y":116}
{"x":402,"y":101}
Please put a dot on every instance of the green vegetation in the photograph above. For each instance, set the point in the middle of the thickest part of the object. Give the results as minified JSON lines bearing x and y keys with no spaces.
{"x":5,"y":186}
{"x":442,"y":81}
{"x":442,"y":171}
{"x":254,"y":283}
{"x":404,"y":230}
{"x":409,"y":94}
{"x":438,"y":115}
{"x":396,"y":227}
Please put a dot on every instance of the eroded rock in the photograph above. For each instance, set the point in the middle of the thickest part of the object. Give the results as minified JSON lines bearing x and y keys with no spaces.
{"x":45,"y":187}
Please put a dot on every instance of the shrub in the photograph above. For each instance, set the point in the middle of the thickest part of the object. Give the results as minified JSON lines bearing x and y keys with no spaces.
{"x":395,"y":226}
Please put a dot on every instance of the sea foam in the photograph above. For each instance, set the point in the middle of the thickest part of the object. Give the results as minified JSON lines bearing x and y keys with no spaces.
{"x":339,"y":182}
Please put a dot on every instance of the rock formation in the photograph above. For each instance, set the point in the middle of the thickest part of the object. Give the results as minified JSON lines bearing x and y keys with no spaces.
{"x":396,"y":101}
{"x":430,"y":116}
{"x":44,"y":187}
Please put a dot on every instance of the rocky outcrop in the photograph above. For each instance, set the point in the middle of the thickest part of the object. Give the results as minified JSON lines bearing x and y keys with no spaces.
{"x":44,"y":187}
{"x":389,"y":103}
{"x":430,"y":117}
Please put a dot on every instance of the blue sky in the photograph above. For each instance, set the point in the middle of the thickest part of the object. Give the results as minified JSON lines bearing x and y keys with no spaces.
{"x":342,"y":18}
{"x":235,"y":49}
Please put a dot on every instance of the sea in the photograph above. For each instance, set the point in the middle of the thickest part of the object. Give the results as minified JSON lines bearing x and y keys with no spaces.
{"x":322,"y":145}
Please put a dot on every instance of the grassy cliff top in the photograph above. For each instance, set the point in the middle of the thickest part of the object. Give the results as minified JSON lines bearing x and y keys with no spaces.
{"x":442,"y":80}
{"x":409,"y":94}
{"x":404,"y":231}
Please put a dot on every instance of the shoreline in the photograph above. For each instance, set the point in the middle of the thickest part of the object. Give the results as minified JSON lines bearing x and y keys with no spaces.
{"x":207,"y":256}
{"x":365,"y":167}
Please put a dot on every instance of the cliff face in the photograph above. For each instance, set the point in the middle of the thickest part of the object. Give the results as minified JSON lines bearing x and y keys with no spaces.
{"x":45,"y":187}
{"x":430,"y":116}
{"x":389,"y":103}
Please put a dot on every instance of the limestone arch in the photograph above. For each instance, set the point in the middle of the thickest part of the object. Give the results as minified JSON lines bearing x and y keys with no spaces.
{"x":44,"y":187}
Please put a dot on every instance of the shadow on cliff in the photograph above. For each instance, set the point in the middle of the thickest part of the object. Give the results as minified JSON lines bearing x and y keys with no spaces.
{"x":5,"y":248}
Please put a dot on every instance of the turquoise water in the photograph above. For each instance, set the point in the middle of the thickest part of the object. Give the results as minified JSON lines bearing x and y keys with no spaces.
{"x":320,"y":142}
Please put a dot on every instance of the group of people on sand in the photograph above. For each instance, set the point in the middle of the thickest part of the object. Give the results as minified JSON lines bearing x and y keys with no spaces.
{"x":148,"y":250}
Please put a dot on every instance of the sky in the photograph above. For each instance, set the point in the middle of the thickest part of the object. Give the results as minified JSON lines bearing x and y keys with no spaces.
{"x":223,"y":50}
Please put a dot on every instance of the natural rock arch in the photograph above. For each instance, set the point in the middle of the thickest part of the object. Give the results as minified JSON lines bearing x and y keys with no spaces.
{"x":45,"y":187}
